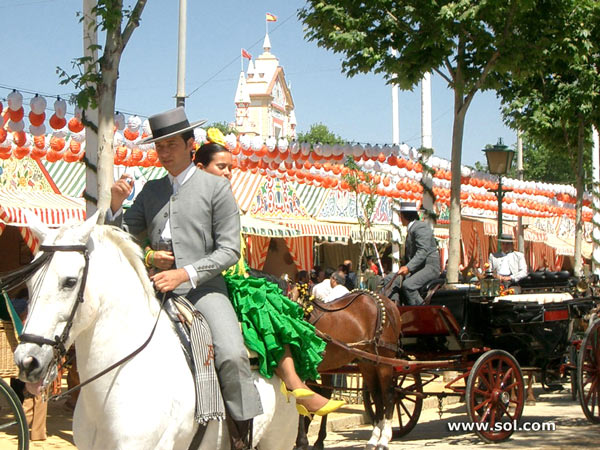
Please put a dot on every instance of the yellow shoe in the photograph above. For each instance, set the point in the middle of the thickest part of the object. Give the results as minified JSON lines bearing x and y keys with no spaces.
{"x":296,"y":393}
{"x":329,"y":407}
{"x":302,"y":410}
{"x":301,"y":393}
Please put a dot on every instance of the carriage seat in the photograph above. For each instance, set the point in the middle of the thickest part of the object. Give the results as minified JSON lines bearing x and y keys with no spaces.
{"x":541,"y":298}
{"x":543,"y":278}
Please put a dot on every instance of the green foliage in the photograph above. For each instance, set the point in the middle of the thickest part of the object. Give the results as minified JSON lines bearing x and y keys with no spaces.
{"x":560,"y":98}
{"x":320,"y":134}
{"x":118,"y":21}
{"x":224,"y":127}
{"x":552,"y":165}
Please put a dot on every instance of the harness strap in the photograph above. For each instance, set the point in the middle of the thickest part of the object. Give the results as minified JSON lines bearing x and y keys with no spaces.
{"x":35,"y":339}
{"x":118,"y":363}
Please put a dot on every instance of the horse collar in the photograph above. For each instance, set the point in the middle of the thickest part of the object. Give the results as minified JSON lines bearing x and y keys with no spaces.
{"x":59,"y":341}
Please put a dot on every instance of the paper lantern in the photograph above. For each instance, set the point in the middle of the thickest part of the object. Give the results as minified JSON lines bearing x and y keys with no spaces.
{"x":75,"y":125}
{"x":21,"y":152}
{"x":57,"y":144}
{"x":60,"y":108}
{"x":15,"y":100}
{"x":57,"y":123}
{"x":119,"y":120}
{"x":3,"y":134}
{"x":37,"y":119}
{"x":19,"y":138}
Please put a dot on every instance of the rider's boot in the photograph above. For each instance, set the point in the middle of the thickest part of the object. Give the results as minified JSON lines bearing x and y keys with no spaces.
{"x":240,"y":433}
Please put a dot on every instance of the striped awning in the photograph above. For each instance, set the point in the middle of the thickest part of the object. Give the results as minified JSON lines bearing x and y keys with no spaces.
{"x":52,"y":209}
{"x":259,"y":227}
{"x":377,"y":234}
{"x":69,"y":178}
{"x":320,"y":230}
{"x":244,"y":186}
{"x":312,"y":197}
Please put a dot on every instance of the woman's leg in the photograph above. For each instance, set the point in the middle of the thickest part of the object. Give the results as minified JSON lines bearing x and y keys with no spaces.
{"x":287,"y":372}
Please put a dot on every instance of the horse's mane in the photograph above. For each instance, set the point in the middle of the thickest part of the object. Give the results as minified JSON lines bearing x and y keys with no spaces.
{"x":130,"y":250}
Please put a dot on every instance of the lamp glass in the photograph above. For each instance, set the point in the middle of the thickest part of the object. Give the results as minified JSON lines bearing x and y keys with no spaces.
{"x":499,"y":160}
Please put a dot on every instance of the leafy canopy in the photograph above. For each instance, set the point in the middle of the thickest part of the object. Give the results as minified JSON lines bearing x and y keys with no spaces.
{"x":320,"y":134}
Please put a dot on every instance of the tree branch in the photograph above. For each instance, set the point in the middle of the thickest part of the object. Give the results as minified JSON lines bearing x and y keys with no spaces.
{"x":133,"y":22}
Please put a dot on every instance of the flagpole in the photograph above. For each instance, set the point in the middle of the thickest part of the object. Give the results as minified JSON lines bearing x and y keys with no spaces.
{"x":241,"y":59}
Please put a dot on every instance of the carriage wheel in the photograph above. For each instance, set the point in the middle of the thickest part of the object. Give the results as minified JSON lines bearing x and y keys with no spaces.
{"x":495,"y":395}
{"x":588,"y":373}
{"x":573,"y":373}
{"x":13,"y":424}
{"x":408,"y":403}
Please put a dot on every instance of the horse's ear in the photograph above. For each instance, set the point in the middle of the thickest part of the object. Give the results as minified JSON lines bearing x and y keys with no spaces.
{"x":86,"y":228}
{"x":37,"y":227}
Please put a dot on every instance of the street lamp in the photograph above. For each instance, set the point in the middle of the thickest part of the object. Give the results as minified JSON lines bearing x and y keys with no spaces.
{"x":499,"y":159}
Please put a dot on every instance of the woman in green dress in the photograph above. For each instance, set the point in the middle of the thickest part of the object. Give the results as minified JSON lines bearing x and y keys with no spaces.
{"x":272,"y":325}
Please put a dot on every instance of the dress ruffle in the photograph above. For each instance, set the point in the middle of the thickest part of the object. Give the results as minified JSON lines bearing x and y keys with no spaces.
{"x":270,"y":321}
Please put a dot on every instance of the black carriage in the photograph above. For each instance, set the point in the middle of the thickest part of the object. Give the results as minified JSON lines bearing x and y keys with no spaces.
{"x":490,"y":340}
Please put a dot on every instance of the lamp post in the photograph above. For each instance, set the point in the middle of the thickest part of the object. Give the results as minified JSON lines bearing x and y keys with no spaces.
{"x":499,"y":159}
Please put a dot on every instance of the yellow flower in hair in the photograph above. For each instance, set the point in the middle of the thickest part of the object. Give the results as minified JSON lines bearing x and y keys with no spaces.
{"x":215,"y":136}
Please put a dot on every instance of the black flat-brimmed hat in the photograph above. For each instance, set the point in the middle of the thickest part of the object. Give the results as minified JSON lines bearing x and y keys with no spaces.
{"x":169,"y":123}
{"x":505,"y":237}
{"x":408,"y":206}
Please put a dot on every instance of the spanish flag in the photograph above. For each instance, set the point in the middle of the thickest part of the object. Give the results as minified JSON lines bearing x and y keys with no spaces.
{"x":271,"y":18}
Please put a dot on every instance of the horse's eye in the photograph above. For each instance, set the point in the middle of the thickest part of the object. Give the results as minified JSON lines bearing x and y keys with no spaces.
{"x":69,"y":283}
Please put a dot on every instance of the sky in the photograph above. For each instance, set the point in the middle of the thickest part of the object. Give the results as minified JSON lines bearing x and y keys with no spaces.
{"x":41,"y":35}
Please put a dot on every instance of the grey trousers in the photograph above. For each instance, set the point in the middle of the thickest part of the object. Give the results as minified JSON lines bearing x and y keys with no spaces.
{"x":231,"y":358}
{"x":412,"y":284}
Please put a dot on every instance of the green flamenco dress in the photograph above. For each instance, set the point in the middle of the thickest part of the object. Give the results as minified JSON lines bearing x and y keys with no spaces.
{"x":270,"y":321}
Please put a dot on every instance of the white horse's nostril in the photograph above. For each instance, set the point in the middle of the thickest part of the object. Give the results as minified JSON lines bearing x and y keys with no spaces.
{"x":27,"y":361}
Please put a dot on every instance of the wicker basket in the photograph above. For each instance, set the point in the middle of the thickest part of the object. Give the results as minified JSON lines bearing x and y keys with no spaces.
{"x":8,"y":343}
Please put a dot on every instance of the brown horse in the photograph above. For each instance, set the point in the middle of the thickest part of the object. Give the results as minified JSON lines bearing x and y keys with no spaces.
{"x":361,"y":327}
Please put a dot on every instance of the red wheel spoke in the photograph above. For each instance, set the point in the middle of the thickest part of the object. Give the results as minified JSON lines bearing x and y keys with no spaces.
{"x":480,"y":392}
{"x":511,"y":386}
{"x":493,"y":418}
{"x":503,"y":406}
{"x":482,"y":404}
{"x":507,"y":375}
{"x":490,"y":374}
{"x":405,"y":409}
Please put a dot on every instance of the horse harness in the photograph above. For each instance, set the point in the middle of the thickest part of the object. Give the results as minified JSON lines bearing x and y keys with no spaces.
{"x":58,"y":343}
{"x":320,"y":310}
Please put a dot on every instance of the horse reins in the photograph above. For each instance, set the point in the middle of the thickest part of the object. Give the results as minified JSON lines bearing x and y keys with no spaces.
{"x":58,"y":344}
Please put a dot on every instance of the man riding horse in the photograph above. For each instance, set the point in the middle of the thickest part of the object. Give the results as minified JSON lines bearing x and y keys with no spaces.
{"x":197,"y":213}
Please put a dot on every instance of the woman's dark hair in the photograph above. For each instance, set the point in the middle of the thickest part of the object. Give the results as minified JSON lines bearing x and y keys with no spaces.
{"x":206,"y":153}
{"x":410,"y":215}
{"x":302,"y":277}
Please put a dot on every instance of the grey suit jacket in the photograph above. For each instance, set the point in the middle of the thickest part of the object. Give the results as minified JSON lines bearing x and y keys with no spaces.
{"x":205,"y":226}
{"x":421,"y":248}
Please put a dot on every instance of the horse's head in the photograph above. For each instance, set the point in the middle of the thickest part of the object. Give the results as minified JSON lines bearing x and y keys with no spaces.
{"x":56,"y":312}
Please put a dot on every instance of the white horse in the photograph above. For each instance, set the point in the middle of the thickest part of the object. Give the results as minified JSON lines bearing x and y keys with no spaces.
{"x":147,"y":402}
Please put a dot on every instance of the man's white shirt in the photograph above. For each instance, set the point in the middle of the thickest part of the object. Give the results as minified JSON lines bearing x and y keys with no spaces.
{"x":321,"y":290}
{"x":338,"y":291}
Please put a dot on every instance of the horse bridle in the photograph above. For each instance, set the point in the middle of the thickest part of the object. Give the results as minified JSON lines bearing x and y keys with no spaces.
{"x":58,"y":343}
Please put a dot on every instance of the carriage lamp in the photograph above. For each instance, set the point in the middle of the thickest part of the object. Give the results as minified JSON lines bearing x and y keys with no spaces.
{"x":499,"y":159}
{"x":489,"y":285}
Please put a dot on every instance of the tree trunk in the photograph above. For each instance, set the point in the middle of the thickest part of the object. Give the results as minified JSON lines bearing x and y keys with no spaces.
{"x":460,"y":110}
{"x":90,"y":39}
{"x":578,"y":269}
{"x":107,"y":91}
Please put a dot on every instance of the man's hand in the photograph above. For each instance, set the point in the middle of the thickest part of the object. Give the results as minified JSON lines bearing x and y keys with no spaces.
{"x":403,"y":271}
{"x":169,"y":279}
{"x":120,"y":191}
{"x":163,"y":259}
